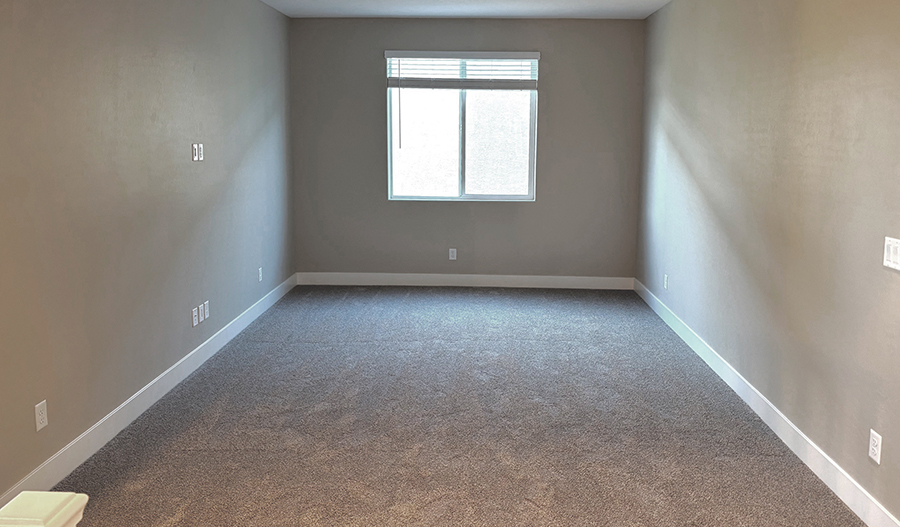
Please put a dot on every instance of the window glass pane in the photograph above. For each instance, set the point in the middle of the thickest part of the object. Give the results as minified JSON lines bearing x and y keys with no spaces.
{"x":498,"y":129}
{"x":425,"y":142}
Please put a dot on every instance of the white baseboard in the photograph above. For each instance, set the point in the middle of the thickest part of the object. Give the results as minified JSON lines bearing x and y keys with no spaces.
{"x":465,"y":280}
{"x":845,"y":487}
{"x":87,"y":444}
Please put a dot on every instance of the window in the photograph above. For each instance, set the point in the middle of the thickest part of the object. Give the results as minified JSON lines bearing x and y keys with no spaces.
{"x":461,"y":125}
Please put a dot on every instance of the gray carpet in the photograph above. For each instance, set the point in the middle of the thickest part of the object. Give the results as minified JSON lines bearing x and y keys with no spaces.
{"x":432,"y":406}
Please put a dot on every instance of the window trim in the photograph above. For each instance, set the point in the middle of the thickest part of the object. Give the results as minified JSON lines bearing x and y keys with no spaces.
{"x":463,"y":85}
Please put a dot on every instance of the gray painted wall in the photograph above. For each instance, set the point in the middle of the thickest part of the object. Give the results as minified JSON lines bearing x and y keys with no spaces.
{"x":109,"y":234}
{"x":771,"y":180}
{"x":584,"y":221}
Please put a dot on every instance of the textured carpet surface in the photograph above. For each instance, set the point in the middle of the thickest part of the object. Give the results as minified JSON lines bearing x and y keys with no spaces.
{"x":432,"y":406}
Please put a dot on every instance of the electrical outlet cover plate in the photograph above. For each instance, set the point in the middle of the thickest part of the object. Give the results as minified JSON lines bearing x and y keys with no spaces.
{"x":196,"y":317}
{"x":875,"y":446}
{"x":453,"y":254}
{"x":206,"y":308}
{"x":40,"y":415}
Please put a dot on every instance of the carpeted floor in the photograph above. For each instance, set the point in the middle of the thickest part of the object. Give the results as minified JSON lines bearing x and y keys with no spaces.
{"x":432,"y":406}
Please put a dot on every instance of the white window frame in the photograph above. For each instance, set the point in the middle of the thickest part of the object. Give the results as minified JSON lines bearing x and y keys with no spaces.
{"x":463,"y":86}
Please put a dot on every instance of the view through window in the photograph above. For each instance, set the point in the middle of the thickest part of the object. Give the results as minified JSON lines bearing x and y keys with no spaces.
{"x":462,"y":126}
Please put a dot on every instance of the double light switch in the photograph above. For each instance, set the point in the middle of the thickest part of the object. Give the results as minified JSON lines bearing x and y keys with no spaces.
{"x":892,"y":253}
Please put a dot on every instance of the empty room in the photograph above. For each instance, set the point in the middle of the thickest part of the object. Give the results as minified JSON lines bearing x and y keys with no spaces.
{"x":433,"y":262}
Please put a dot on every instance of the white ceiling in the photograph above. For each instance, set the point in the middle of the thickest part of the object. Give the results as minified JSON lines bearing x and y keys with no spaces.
{"x":468,"y":8}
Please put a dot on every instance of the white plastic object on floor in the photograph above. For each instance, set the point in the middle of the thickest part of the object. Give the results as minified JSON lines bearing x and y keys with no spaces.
{"x":44,"y":509}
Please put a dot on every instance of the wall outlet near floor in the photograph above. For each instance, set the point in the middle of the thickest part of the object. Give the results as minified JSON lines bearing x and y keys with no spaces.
{"x":666,"y":282}
{"x":875,"y":446}
{"x":40,"y":415}
{"x":453,"y":254}
{"x":260,"y":274}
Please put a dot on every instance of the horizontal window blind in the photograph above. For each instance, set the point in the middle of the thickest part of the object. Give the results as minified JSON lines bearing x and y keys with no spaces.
{"x":478,"y":70}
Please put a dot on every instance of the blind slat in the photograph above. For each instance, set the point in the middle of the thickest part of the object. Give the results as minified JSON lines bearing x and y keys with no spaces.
{"x":520,"y":55}
{"x":462,"y":69}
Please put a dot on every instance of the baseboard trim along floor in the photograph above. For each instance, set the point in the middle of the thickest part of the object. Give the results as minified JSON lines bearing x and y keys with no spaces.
{"x":466,"y":280}
{"x":845,"y":487}
{"x":88,"y":443}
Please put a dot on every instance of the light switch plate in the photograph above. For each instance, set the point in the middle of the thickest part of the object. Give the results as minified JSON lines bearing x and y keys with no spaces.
{"x":892,"y":253}
{"x":195,"y":152}
{"x":206,"y":308}
{"x":200,"y":152}
{"x":202,"y":312}
{"x":196,"y":317}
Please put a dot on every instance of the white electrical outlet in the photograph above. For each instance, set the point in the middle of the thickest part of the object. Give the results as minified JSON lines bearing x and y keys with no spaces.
{"x":202,"y":312}
{"x":195,"y":152}
{"x":875,"y":446}
{"x":453,"y":254}
{"x":666,"y":282}
{"x":260,"y":274}
{"x":40,"y":415}
{"x":200,"y":152}
{"x":206,"y":308}
{"x":196,"y":316}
